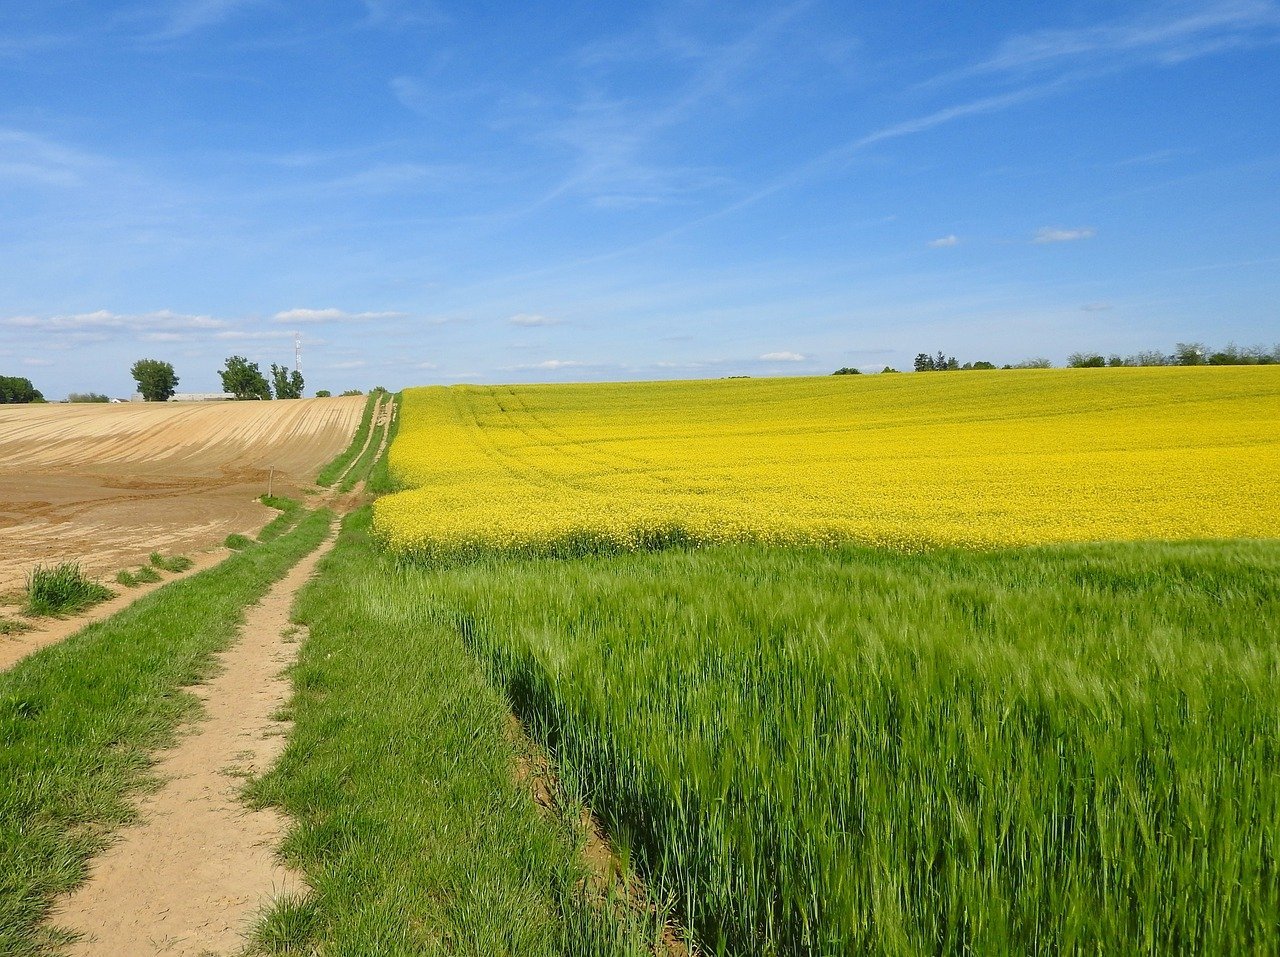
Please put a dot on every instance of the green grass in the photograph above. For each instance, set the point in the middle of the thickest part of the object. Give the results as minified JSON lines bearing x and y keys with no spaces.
{"x":146,"y":575}
{"x":80,"y":720}
{"x":62,"y":590}
{"x":365,"y":465}
{"x":399,"y":773}
{"x":126,"y":578}
{"x":380,"y":480}
{"x":289,"y":510}
{"x":13,"y":626}
{"x":329,"y":474}
{"x":172,"y":564}
{"x":235,"y":541}
{"x":1066,"y":750}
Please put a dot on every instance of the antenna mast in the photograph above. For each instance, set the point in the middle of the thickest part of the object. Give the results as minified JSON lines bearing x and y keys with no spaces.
{"x":297,"y":352}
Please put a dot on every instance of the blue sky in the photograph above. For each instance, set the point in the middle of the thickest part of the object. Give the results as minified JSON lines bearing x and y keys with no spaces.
{"x":508,"y":192}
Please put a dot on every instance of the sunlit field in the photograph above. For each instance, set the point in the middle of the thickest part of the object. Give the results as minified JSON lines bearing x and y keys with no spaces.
{"x":976,"y":459}
{"x":944,"y":663}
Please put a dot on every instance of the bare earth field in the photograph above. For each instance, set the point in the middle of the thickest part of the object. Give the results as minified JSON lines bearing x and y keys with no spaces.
{"x":108,"y":484}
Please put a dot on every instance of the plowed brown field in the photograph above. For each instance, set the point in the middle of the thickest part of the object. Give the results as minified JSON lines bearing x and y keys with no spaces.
{"x":108,"y":484}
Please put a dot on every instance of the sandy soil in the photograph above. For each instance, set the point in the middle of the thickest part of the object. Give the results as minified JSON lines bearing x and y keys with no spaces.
{"x":108,"y":484}
{"x":191,"y":876}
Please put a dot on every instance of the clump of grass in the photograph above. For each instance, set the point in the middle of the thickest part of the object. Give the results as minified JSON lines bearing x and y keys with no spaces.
{"x":146,"y":575}
{"x":12,"y":626}
{"x":289,"y":926}
{"x":62,"y":589}
{"x":173,"y":564}
{"x":126,"y":578}
{"x":236,"y":541}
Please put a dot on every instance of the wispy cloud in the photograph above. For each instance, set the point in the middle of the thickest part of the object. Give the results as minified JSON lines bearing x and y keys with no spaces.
{"x":332,"y":315}
{"x":37,"y":362}
{"x":253,"y":335}
{"x":34,"y":159}
{"x":945,"y":242}
{"x":1096,"y":306}
{"x":1213,"y":28}
{"x":551,"y":365}
{"x":397,"y":177}
{"x":1056,"y":234}
{"x":611,"y":139}
{"x":185,"y":17}
{"x":404,"y":13}
{"x":533,"y":319}
{"x":783,"y":357}
{"x":105,"y":319}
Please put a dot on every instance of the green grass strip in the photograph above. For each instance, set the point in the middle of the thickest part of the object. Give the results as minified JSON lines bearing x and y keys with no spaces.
{"x":380,"y":480}
{"x":289,"y":509}
{"x":412,"y":830}
{"x":329,"y":474}
{"x":80,"y":720}
{"x":365,"y":465}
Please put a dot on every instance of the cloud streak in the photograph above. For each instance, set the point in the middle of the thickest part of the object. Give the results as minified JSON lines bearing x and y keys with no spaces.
{"x":1056,"y":234}
{"x":331,"y":315}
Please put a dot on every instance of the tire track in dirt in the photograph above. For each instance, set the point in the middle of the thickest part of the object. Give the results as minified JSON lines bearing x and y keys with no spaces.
{"x":190,"y":877}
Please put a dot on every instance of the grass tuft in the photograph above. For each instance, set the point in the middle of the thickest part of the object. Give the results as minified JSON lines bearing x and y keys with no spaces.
{"x":236,"y":541}
{"x":126,"y":578}
{"x":12,"y":626}
{"x":62,"y":589}
{"x":173,"y":564}
{"x":146,"y":575}
{"x":289,"y":926}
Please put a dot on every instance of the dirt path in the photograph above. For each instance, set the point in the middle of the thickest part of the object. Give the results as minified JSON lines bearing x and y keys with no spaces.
{"x":190,"y":877}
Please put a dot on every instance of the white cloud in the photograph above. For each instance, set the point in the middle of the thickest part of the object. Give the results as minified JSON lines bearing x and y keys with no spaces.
{"x":143,"y":322}
{"x":239,"y":335}
{"x":331,"y":315}
{"x":553,"y":364}
{"x":945,"y":242}
{"x":1054,"y":234}
{"x":783,"y":357}
{"x":37,"y":362}
{"x":533,"y":319}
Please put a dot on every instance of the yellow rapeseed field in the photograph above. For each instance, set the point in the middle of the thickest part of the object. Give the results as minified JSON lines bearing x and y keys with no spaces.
{"x":978,"y":459}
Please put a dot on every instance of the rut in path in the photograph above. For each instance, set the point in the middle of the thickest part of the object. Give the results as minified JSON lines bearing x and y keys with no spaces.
{"x":190,"y":877}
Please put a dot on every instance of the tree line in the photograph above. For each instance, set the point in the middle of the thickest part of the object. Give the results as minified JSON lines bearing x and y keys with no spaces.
{"x":1183,"y":354}
{"x":157,"y":380}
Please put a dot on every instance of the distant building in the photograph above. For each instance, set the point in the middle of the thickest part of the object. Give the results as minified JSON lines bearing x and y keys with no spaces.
{"x":192,"y":397}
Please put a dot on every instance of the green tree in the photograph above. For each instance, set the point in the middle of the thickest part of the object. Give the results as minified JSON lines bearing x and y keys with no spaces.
{"x":1085,"y":360}
{"x":156,"y":379}
{"x":847,"y":370}
{"x":287,"y":383}
{"x":88,"y":397}
{"x":18,"y":389}
{"x":244,"y":379}
{"x":323,"y":394}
